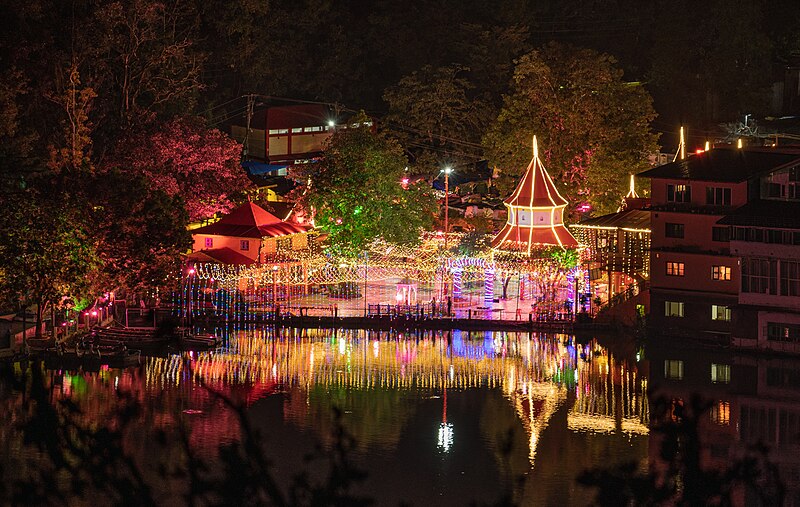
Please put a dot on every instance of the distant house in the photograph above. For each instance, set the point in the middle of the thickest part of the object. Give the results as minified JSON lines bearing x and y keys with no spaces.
{"x":247,"y":235}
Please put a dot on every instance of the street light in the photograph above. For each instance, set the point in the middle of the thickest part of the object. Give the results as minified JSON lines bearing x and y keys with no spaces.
{"x":447,"y":170}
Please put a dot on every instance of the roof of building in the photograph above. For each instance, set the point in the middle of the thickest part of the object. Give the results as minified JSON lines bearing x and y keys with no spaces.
{"x":222,"y":255}
{"x":251,"y":221}
{"x":627,"y":219}
{"x":765,"y":213}
{"x":724,"y":164}
{"x":522,"y":239}
{"x":536,"y":188}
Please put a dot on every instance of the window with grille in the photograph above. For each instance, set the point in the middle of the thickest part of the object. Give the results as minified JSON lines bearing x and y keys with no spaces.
{"x":720,"y":234}
{"x":209,"y":242}
{"x":718,"y":196}
{"x":673,"y":230}
{"x":679,"y":193}
{"x":673,"y":309}
{"x":721,"y":273}
{"x":720,"y":312}
{"x":673,"y":369}
{"x":721,"y":373}
{"x":675,"y":269}
{"x":244,"y":245}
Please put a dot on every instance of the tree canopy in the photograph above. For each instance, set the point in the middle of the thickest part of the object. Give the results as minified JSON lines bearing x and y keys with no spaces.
{"x":355,"y":192}
{"x":183,"y":157}
{"x":593,"y":126}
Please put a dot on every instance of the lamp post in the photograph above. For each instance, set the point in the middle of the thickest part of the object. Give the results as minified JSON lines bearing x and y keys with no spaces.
{"x":366,"y":277}
{"x":447,"y":171}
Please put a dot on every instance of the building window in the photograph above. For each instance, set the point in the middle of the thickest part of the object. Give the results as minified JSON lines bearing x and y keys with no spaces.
{"x":720,"y":234}
{"x":244,"y":245}
{"x":760,"y":276}
{"x":718,"y":196}
{"x":721,"y":273}
{"x":673,"y":230}
{"x":273,"y":132}
{"x":679,"y":193}
{"x":790,"y":278}
{"x":721,"y":413}
{"x":674,"y":269}
{"x":779,"y":332}
{"x":720,"y":312}
{"x":209,"y":242}
{"x":721,"y":373}
{"x":673,"y":369}
{"x":673,"y":308}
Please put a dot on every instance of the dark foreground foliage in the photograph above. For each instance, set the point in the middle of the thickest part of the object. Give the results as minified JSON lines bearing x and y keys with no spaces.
{"x":679,"y":476}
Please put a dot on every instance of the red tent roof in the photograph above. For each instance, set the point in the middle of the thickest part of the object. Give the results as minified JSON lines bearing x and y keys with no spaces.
{"x":251,"y":221}
{"x":536,"y":188}
{"x":516,"y":238}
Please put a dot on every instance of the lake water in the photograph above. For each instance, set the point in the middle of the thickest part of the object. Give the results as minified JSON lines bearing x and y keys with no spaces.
{"x":437,"y":418}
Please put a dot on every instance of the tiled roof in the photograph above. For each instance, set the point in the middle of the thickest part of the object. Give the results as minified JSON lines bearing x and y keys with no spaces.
{"x":765,"y":213}
{"x":251,"y":221}
{"x":729,"y":165}
{"x":628,"y":219}
{"x":223,"y":255}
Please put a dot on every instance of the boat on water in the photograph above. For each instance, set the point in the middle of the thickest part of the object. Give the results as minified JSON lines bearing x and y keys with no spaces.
{"x":201,"y":341}
{"x":136,"y":338}
{"x":90,"y":356}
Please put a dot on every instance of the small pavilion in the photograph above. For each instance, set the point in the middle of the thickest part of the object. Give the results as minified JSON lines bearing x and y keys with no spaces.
{"x":535,"y":213}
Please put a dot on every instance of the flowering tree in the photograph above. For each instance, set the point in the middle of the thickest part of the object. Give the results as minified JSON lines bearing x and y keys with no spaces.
{"x":593,"y":125}
{"x":183,"y":157}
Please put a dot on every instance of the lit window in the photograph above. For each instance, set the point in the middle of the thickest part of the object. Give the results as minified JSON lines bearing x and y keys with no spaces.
{"x":673,"y":308}
{"x":278,"y":131}
{"x":244,"y":245}
{"x":721,"y":413}
{"x":297,"y":130}
{"x":209,"y":242}
{"x":675,"y":269}
{"x":679,"y":193}
{"x":719,"y":312}
{"x":721,"y":373}
{"x":722,"y":273}
{"x":673,"y":369}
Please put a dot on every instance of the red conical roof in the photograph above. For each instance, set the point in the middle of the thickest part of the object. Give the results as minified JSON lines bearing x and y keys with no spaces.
{"x":534,"y":213}
{"x":536,"y":189}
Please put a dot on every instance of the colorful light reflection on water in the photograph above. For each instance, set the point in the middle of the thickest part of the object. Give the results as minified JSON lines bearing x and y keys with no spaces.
{"x":432,"y":401}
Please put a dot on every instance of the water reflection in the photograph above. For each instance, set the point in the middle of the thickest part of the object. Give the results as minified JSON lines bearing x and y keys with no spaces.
{"x":753,"y":399}
{"x":436,"y":409}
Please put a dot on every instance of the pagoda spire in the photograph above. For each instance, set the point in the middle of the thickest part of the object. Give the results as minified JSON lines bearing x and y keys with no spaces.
{"x":535,"y":212}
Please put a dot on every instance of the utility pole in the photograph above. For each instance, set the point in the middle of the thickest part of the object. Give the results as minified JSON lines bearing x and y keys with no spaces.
{"x":251,"y":101}
{"x":447,"y":171}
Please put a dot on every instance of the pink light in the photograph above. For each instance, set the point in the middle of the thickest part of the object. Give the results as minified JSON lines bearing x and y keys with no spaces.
{"x":191,"y":271}
{"x":94,"y":313}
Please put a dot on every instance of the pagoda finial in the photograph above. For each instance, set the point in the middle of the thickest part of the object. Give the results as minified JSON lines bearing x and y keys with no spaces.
{"x":632,"y":190}
{"x":535,"y":148}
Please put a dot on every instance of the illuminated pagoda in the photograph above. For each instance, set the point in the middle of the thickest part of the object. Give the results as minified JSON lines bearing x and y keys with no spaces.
{"x":535,"y":213}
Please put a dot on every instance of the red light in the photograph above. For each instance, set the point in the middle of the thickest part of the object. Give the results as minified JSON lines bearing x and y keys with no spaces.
{"x":699,"y":151}
{"x":191,"y":271}
{"x":94,"y":313}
